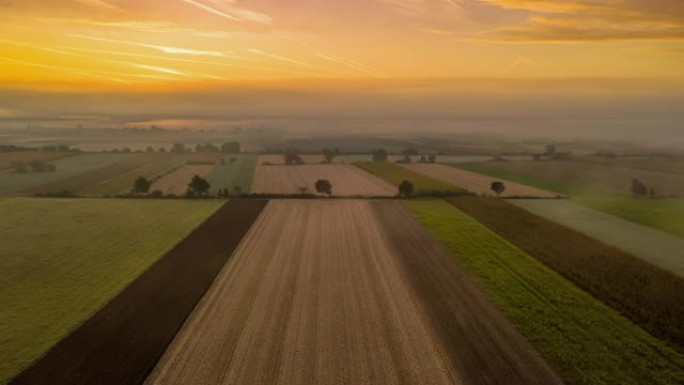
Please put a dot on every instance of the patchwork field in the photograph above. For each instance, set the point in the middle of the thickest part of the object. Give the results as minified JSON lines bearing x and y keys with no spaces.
{"x":61,"y":260}
{"x":355,"y":292}
{"x":644,"y":293}
{"x":157,"y":166}
{"x":12,"y":183}
{"x":570,"y":176}
{"x":395,"y":174}
{"x":584,"y":340}
{"x":6,"y":158}
{"x":346,"y":180}
{"x":477,"y":183}
{"x":653,"y":246}
{"x":230,"y":175}
{"x":176,"y":183}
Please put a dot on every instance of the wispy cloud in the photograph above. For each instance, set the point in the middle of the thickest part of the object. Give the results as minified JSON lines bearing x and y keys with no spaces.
{"x":348,"y":63}
{"x":211,"y":10}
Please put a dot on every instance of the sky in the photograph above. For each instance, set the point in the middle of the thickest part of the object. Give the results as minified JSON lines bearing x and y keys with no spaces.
{"x":383,"y":49}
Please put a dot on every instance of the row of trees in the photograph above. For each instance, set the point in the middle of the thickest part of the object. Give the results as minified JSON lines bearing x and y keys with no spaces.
{"x":22,"y":167}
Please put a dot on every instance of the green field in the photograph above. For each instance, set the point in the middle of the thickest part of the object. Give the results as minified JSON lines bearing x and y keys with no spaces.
{"x":230,"y":175}
{"x":12,"y":183}
{"x":662,"y":214}
{"x":123,"y":183}
{"x":395,"y":174}
{"x":61,"y":260}
{"x":584,"y":340}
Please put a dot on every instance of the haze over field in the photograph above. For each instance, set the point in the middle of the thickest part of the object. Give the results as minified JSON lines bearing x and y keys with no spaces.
{"x":559,"y":68}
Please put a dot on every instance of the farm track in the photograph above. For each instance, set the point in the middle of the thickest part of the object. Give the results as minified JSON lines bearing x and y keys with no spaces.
{"x":334,"y":292}
{"x":477,"y":183}
{"x":123,"y":341}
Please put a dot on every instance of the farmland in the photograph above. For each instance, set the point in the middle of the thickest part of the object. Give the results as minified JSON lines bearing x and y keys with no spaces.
{"x":395,"y":175}
{"x":662,"y":214}
{"x":61,"y":260}
{"x":346,"y":180}
{"x":230,"y":175}
{"x":585,"y":341}
{"x":12,"y":183}
{"x":644,"y":293}
{"x":653,"y":246}
{"x":477,"y":183}
{"x":6,"y":158}
{"x":176,"y":183}
{"x":342,"y":298}
{"x":157,"y":166}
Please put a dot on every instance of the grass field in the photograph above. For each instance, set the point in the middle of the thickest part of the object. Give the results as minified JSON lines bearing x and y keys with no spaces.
{"x":61,"y":260}
{"x":585,"y":341}
{"x":662,"y":214}
{"x":395,"y":174}
{"x":158,"y":166}
{"x":12,"y":183}
{"x":231,"y":175}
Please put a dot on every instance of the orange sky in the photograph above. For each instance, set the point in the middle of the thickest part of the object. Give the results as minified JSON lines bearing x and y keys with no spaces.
{"x":142,"y":45}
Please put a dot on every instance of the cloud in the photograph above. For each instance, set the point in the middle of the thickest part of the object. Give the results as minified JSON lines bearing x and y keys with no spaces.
{"x":591,"y":20}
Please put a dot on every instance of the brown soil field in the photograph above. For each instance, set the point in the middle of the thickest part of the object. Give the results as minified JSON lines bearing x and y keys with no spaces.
{"x":346,"y":180}
{"x":611,"y":178}
{"x":477,"y":183}
{"x":123,"y":341}
{"x":6,"y":158}
{"x":80,"y":182}
{"x":177,"y":182}
{"x":649,"y":296}
{"x":345,"y":292}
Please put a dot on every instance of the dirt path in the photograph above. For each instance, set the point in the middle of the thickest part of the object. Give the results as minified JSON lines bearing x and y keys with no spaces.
{"x":123,"y":341}
{"x":332,"y":292}
{"x":477,"y":183}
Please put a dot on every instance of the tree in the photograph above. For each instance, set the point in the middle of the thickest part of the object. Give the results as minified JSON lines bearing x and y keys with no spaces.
{"x":233,"y":160}
{"x":550,"y":149}
{"x":324,"y":187}
{"x":198,"y":186}
{"x":178,"y":147}
{"x":42,"y":166}
{"x":19,"y":166}
{"x":329,"y":155}
{"x":498,"y":187}
{"x":142,"y":185}
{"x":237,"y":190}
{"x":149,"y":149}
{"x":432,"y":159}
{"x":292,"y":157}
{"x":410,"y":152}
{"x":405,"y":189}
{"x":380,"y":155}
{"x":638,"y":188}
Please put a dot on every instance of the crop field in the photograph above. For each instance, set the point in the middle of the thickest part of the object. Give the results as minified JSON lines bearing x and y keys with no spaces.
{"x":206,"y":158}
{"x":662,"y":214}
{"x":355,"y":292}
{"x":674,"y":165}
{"x":61,"y":260}
{"x":477,"y":183}
{"x":586,"y":342}
{"x":346,"y":180}
{"x":12,"y":183}
{"x":176,"y":183}
{"x":6,"y":158}
{"x":653,"y":246}
{"x":646,"y":294}
{"x":230,"y":175}
{"x":157,"y":166}
{"x":100,"y":176}
{"x":395,"y":174}
{"x":577,"y":175}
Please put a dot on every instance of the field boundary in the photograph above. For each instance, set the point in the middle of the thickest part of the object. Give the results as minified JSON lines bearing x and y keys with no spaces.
{"x":123,"y":341}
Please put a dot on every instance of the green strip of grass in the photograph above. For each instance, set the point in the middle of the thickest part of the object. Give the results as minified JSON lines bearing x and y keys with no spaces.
{"x":396,"y":174}
{"x":61,"y":260}
{"x":584,"y":340}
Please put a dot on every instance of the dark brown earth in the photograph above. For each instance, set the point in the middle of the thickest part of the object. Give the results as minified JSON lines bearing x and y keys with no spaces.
{"x":123,"y":341}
